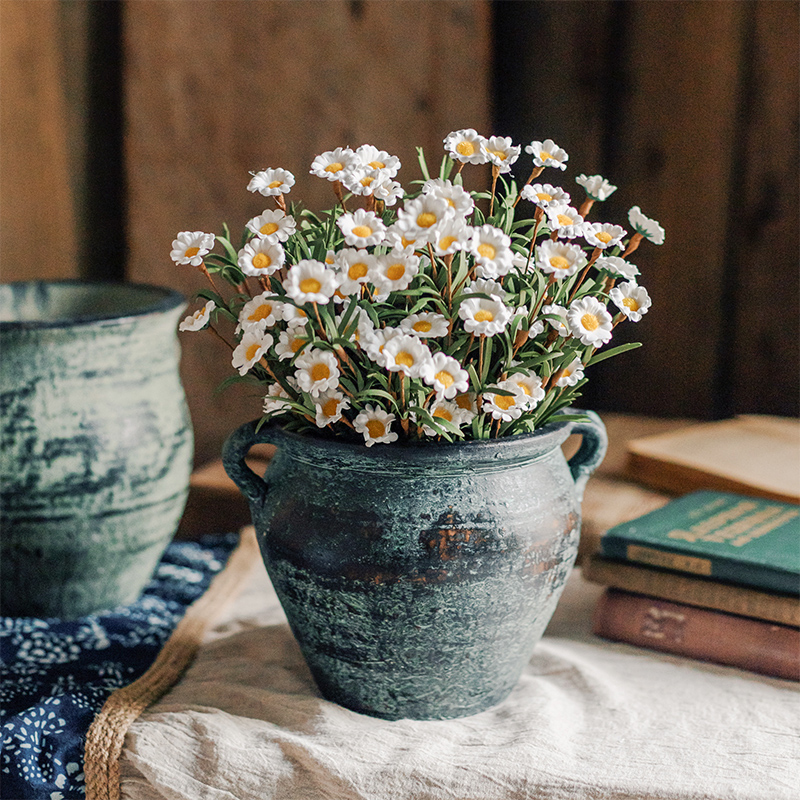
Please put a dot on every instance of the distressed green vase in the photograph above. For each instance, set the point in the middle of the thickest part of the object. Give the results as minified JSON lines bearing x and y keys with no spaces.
{"x":95,"y":446}
{"x":418,"y":579}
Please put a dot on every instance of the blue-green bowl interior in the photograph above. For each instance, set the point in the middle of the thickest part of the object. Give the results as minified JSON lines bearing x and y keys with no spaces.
{"x":44,"y":304}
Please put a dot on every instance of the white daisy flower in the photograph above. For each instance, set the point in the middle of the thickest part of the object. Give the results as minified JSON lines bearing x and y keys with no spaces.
{"x":458,"y":198}
{"x":362,"y":228}
{"x":399,"y":237}
{"x":310,"y":281}
{"x":426,"y":325}
{"x":645,"y":226}
{"x":275,"y":400}
{"x":603,"y":235}
{"x":505,"y":407}
{"x":360,"y":180}
{"x":394,"y":271}
{"x":446,"y":375}
{"x":406,"y":354}
{"x":332,"y":163}
{"x":484,"y":317}
{"x":270,"y":182}
{"x":261,"y":257}
{"x":596,"y":186}
{"x":200,"y":318}
{"x":560,"y":322}
{"x":632,"y":300}
{"x":531,"y":386}
{"x":374,"y":342}
{"x":354,"y":267}
{"x":501,"y":151}
{"x":293,"y":316}
{"x":265,"y":310}
{"x":255,"y":342}
{"x":191,"y":246}
{"x":451,"y":235}
{"x":365,"y":330}
{"x":560,"y":259}
{"x":276,"y":226}
{"x":543,"y":194}
{"x":421,"y":216}
{"x":617,"y":266}
{"x":290,"y":342}
{"x":316,"y":371}
{"x":487,"y":286}
{"x":465,"y":146}
{"x":388,"y":192}
{"x":378,"y":160}
{"x":569,"y":375}
{"x":468,"y":403}
{"x":536,"y":329}
{"x":492,"y":250}
{"x":564,"y":219}
{"x":547,"y":154}
{"x":329,"y":407}
{"x":589,"y":321}
{"x":447,"y":410}
{"x":375,"y":425}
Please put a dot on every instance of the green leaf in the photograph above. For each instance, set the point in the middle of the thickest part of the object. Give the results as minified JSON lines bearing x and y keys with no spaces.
{"x":614,"y":351}
{"x":423,"y":164}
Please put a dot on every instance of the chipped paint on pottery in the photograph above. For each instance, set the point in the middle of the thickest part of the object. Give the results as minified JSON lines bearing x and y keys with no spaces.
{"x":95,"y":446}
{"x":417,"y":579}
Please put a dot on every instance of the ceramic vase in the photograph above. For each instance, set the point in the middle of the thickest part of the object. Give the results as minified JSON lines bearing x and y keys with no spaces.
{"x":417,"y":579}
{"x":95,"y":447}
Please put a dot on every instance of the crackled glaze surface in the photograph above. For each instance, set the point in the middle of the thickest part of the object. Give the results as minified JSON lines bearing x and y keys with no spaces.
{"x":417,"y":580}
{"x":95,"y":443}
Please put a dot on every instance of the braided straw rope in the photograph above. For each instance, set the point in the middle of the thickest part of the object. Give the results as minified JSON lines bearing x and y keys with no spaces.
{"x":106,"y":734}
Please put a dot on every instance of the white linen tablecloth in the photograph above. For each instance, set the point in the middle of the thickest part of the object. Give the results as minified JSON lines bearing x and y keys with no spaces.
{"x":588,"y":719}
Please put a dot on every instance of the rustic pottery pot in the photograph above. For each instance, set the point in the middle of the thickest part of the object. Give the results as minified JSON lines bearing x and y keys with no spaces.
{"x":418,"y":579}
{"x":95,"y":443}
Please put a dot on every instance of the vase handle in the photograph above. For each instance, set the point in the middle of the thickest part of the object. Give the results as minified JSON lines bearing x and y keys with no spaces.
{"x":592,"y":450}
{"x":234,"y":451}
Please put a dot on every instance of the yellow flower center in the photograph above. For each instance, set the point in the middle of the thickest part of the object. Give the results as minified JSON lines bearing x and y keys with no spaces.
{"x":366,"y":181}
{"x":590,"y":322}
{"x":604,"y":237}
{"x":269,"y":228}
{"x":251,"y":351}
{"x":544,"y":155}
{"x":275,"y":184}
{"x":395,"y":272}
{"x":297,"y":343}
{"x":357,"y":271}
{"x":465,"y":148}
{"x":331,"y":407}
{"x":630,"y":303}
{"x":320,"y":372}
{"x":362,"y":231}
{"x":500,"y":154}
{"x":562,"y":373}
{"x":463,"y":401}
{"x":559,"y":262}
{"x":446,"y":242}
{"x":446,"y":379}
{"x":310,"y":286}
{"x":484,"y":316}
{"x":525,"y":389}
{"x":563,"y":219}
{"x":406,"y":242}
{"x":443,"y":413}
{"x":487,"y":250}
{"x":375,"y":428}
{"x":405,"y":358}
{"x":334,"y":167}
{"x":422,"y":326}
{"x":262,"y":312}
{"x":544,"y":197}
{"x":503,"y":401}
{"x":377,"y":164}
{"x":261,"y":261}
{"x":192,"y":251}
{"x":426,"y":219}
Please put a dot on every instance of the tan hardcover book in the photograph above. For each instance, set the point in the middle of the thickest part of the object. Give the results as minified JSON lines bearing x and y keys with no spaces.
{"x":693,"y":590}
{"x":749,"y":454}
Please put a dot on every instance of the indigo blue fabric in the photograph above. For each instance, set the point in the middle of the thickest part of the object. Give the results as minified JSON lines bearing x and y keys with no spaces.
{"x":57,"y":674}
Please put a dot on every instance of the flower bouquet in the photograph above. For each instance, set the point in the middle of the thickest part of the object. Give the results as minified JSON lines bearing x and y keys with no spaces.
{"x":431,"y":312}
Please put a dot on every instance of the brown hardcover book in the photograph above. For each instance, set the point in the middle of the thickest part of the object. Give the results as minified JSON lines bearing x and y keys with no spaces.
{"x":693,"y":590}
{"x":700,"y":633}
{"x":751,"y":454}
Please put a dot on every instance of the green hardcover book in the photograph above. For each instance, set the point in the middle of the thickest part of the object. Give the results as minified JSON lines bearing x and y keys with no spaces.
{"x":726,"y":537}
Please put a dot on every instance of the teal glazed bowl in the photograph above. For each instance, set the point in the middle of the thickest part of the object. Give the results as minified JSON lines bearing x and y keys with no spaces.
{"x":96,"y":444}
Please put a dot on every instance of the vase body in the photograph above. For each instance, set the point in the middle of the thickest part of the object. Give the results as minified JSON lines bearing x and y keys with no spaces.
{"x":418,"y":579}
{"x":95,"y":447}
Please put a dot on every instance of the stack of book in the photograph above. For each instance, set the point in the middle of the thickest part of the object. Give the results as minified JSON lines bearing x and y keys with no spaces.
{"x":712,"y":575}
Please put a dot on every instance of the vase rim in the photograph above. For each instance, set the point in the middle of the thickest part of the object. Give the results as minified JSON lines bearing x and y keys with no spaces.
{"x":161,"y":300}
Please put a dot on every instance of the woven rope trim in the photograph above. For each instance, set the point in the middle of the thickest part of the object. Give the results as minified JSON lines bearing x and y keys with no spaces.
{"x":106,"y":734}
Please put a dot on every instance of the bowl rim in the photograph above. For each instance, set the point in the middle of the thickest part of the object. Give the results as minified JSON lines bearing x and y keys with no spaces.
{"x":164,"y":298}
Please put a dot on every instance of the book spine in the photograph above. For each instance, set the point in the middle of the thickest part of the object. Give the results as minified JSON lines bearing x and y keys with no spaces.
{"x":699,"y":633}
{"x":719,"y":568}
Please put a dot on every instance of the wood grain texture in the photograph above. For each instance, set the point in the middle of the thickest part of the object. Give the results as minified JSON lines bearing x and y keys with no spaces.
{"x":215,"y":90}
{"x":37,"y":219}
